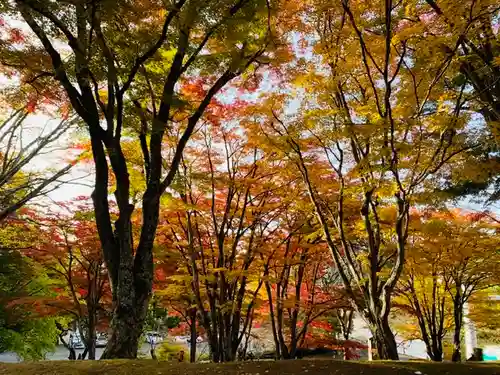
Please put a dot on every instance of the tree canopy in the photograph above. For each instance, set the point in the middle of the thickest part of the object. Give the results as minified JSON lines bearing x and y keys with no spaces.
{"x":257,"y":162}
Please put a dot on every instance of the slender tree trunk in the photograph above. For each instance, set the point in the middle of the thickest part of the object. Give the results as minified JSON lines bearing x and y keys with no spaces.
{"x":458,"y":318}
{"x":91,"y":346}
{"x":153,"y":353}
{"x":433,"y":342}
{"x":272,"y":317}
{"x":194,"y":336}
{"x":247,"y":340}
{"x":213,"y":342}
{"x":91,"y":335}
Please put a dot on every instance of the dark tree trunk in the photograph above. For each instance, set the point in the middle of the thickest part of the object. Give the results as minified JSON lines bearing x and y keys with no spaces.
{"x":91,"y":345}
{"x":84,"y":354}
{"x":384,"y":340}
{"x":437,"y":349}
{"x":194,"y":336}
{"x":127,"y":325}
{"x":132,"y":283}
{"x":91,"y":334}
{"x":273,"y":320}
{"x":72,"y":354}
{"x":457,"y":315}
{"x":432,"y":334}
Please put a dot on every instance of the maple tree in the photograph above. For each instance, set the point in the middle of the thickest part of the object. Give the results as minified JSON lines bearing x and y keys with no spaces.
{"x":157,"y":64}
{"x":373,"y":135}
{"x":297,"y":297}
{"x":66,"y":245}
{"x":469,"y":35}
{"x":446,"y":266}
{"x":224,"y":218}
{"x":423,"y":288}
{"x":481,"y":306}
{"x":313,"y":127}
{"x":473,"y":264}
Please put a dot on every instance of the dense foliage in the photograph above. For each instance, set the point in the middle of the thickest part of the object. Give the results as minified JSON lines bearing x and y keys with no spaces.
{"x":256,"y":163}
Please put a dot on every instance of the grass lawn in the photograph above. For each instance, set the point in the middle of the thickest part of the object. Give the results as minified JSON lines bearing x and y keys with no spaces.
{"x":302,"y":367}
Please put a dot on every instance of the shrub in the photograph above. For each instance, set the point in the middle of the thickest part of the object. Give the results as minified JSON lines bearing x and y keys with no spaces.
{"x":167,"y":351}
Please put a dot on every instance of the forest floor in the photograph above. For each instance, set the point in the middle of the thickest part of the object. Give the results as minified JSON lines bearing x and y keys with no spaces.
{"x":295,"y":367}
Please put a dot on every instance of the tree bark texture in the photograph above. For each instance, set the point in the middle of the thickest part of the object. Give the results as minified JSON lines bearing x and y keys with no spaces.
{"x":193,"y":335}
{"x":457,"y":331}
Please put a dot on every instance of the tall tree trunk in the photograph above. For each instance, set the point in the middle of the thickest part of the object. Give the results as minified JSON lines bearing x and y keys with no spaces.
{"x":91,"y":337}
{"x":458,"y":318}
{"x":194,"y":336}
{"x":132,"y":282}
{"x":153,"y":353}
{"x":431,"y":339}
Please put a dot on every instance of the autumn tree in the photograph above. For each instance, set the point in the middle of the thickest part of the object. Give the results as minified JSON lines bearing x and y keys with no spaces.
{"x":468,"y":34}
{"x":374,"y":134}
{"x":66,"y":245}
{"x":296,"y":297}
{"x":482,"y":305}
{"x":124,"y":69}
{"x":452,"y":259}
{"x":472,"y":262}
{"x":465,"y":37}
{"x":422,"y":286}
{"x":224,"y":219}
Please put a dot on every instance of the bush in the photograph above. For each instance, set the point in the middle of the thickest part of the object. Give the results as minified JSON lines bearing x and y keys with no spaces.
{"x":167,"y":351}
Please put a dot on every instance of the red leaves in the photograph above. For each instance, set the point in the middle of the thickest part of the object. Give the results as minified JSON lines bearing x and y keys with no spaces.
{"x":66,"y":244}
{"x":31,"y":106}
{"x":195,"y":89}
{"x":15,"y":35}
{"x":65,"y":110}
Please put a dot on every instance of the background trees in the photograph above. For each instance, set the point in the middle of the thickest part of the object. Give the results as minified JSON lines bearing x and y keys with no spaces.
{"x":222,"y":224}
{"x":311,"y":126}
{"x":159,"y":66}
{"x":67,"y":247}
{"x":25,"y":329}
{"x":374,"y":133}
{"x":452,"y":256}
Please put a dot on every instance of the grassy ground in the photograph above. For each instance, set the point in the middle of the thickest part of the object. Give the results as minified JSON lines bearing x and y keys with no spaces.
{"x":302,"y":367}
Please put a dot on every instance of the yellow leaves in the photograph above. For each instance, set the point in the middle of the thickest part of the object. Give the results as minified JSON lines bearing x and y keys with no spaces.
{"x":220,"y":269}
{"x":388,"y":215}
{"x":406,"y":30}
{"x":495,"y":129}
{"x":162,"y":65}
{"x":289,"y":302}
